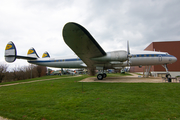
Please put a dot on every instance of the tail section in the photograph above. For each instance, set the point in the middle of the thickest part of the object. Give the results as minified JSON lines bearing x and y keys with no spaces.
{"x":32,"y":53}
{"x":10,"y":52}
{"x":46,"y":55}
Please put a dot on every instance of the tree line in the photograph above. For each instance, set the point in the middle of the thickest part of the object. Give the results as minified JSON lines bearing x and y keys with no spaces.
{"x":21,"y":73}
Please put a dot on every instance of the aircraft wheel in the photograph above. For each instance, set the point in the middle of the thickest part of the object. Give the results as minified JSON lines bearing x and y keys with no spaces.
{"x":100,"y":76}
{"x":104,"y":75}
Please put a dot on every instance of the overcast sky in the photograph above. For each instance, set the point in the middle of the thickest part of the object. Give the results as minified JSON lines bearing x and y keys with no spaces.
{"x":39,"y":24}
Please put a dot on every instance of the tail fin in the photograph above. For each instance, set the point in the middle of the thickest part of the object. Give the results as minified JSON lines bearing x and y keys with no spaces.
{"x":10,"y":52}
{"x":46,"y":55}
{"x":32,"y":53}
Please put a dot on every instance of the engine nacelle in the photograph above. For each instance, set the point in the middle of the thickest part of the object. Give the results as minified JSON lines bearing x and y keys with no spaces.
{"x":113,"y":56}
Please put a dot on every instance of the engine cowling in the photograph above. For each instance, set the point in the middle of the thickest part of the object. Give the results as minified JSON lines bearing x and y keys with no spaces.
{"x":113,"y":56}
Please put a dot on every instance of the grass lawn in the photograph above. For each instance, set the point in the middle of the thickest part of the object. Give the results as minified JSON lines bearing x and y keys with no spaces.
{"x":64,"y":99}
{"x":34,"y":79}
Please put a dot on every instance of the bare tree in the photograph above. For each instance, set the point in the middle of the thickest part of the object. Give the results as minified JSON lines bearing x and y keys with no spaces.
{"x":41,"y":70}
{"x":21,"y":72}
{"x":17,"y":74}
{"x":3,"y":70}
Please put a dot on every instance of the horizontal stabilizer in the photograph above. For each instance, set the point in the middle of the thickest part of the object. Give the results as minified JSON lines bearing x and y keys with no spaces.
{"x":46,"y":55}
{"x":11,"y":53}
{"x":25,"y":57}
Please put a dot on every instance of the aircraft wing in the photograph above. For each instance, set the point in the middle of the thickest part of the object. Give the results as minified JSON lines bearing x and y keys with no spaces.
{"x":82,"y":43}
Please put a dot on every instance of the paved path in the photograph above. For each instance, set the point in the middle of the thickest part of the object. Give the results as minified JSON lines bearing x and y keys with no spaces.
{"x":1,"y":118}
{"x":125,"y":79}
{"x":37,"y":81}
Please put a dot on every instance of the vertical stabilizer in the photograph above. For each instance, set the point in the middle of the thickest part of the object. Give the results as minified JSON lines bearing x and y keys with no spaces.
{"x":32,"y":53}
{"x":10,"y":52}
{"x":46,"y":55}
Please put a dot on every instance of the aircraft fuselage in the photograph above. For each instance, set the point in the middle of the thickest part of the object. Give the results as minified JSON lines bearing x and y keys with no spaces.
{"x":139,"y":59}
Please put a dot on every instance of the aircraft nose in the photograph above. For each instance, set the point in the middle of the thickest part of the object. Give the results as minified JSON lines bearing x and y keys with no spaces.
{"x":173,"y":59}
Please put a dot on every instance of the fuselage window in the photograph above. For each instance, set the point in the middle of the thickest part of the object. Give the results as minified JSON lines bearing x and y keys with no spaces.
{"x":155,"y":55}
{"x":144,"y":55}
{"x":149,"y":55}
{"x":139,"y":55}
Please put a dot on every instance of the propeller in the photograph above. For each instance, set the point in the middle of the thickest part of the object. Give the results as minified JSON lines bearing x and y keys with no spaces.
{"x":128,"y":54}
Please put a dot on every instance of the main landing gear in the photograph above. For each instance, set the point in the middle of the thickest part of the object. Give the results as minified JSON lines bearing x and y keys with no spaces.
{"x":100,"y":76}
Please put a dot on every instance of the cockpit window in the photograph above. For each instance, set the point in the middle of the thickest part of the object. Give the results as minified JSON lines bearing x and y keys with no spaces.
{"x":167,"y":53}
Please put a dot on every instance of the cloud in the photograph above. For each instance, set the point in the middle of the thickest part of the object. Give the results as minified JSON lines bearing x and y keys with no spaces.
{"x":142,"y":21}
{"x":39,"y":24}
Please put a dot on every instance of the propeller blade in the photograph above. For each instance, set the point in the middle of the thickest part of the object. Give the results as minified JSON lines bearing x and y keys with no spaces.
{"x":128,"y":54}
{"x":128,"y":48}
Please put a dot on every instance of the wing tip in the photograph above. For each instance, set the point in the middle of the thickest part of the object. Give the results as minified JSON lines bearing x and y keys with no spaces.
{"x":68,"y":28}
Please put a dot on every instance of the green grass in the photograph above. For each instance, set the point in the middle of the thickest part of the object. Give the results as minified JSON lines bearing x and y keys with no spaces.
{"x":64,"y":99}
{"x":138,"y":73}
{"x":34,"y":79}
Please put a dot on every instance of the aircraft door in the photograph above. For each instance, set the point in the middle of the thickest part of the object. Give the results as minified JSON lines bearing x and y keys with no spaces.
{"x":160,"y":58}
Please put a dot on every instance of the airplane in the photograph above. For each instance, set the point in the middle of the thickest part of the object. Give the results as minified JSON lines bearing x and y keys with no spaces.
{"x":90,"y":54}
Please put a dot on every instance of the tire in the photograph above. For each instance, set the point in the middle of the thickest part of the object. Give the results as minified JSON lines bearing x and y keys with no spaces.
{"x":100,"y":76}
{"x":104,"y":75}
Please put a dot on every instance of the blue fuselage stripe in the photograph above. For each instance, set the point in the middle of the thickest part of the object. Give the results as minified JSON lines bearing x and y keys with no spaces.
{"x":78,"y":59}
{"x":57,"y":60}
{"x":151,"y":55}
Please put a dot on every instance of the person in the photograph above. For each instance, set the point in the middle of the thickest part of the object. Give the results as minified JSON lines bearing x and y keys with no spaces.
{"x":168,"y":76}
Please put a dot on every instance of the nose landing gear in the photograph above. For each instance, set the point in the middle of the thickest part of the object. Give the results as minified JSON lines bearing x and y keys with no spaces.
{"x":165,"y":66}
